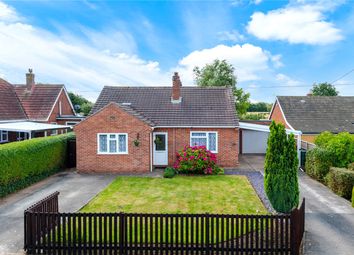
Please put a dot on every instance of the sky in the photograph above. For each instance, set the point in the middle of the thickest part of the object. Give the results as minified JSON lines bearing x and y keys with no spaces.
{"x":276,"y":47}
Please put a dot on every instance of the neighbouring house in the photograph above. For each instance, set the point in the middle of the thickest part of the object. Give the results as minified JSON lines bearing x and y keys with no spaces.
{"x":33,"y":110}
{"x":134,"y":129}
{"x":314,"y":114}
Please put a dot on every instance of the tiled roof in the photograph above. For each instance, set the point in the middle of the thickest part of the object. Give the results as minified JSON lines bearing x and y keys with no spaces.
{"x":199,"y":106}
{"x":10,"y":106}
{"x":315,"y":114}
{"x":38,"y":103}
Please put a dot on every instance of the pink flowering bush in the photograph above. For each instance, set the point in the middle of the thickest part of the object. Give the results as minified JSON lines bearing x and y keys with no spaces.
{"x":196,"y":160}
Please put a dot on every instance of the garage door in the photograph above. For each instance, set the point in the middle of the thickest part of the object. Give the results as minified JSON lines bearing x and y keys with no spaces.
{"x":254,"y":141}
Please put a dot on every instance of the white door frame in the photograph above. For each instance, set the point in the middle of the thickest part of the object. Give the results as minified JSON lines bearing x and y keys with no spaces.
{"x":166,"y":148}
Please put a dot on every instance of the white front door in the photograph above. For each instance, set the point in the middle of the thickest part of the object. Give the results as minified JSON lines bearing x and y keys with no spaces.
{"x":160,"y":149}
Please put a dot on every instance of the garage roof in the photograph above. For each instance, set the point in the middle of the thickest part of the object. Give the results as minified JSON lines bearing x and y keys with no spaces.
{"x":29,"y":126}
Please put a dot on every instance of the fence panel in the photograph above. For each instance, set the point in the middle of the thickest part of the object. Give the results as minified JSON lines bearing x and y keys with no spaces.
{"x":131,"y":233}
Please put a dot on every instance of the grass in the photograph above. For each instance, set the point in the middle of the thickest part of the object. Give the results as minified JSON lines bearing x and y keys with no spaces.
{"x":182,"y":194}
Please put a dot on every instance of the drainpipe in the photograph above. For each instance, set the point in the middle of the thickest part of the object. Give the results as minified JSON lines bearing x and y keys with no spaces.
{"x":151,"y":149}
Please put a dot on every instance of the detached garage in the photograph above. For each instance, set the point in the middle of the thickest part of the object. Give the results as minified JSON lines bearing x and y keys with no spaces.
{"x":254,"y":137}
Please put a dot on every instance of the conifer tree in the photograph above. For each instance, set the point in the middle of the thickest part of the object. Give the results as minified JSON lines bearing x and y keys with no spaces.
{"x":281,"y":164}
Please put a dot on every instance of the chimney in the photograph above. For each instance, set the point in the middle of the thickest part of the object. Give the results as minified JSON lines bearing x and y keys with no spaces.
{"x":176,"y":89}
{"x":30,"y":83}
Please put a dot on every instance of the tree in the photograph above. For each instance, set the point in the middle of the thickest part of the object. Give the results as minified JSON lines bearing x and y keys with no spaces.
{"x":259,"y":107}
{"x":281,"y":164}
{"x":81,"y":104}
{"x":324,"y":89}
{"x":221,"y":73}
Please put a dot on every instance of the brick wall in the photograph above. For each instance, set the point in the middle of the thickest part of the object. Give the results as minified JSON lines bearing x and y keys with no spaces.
{"x":277,"y":115}
{"x":228,"y":143}
{"x":65,"y":109}
{"x":112,"y":119}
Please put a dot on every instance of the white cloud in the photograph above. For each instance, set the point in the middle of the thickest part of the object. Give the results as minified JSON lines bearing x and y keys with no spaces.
{"x":82,"y":65}
{"x":286,"y":80}
{"x":249,"y":60}
{"x":295,"y":24}
{"x":7,"y":13}
{"x":233,"y":36}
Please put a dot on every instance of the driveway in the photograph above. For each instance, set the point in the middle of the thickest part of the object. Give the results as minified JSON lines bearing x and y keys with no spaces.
{"x":329,"y":218}
{"x":75,"y":191}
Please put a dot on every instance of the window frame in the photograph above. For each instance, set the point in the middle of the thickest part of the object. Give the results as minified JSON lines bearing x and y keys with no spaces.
{"x":207,"y":138}
{"x":117,"y":140}
{"x":7,"y":136}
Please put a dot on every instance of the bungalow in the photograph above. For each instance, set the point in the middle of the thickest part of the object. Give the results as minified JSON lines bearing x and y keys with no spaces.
{"x":33,"y":110}
{"x":314,"y":114}
{"x":133,"y":129}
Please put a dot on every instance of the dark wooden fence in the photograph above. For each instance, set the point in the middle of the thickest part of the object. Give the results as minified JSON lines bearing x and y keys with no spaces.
{"x":49,"y":232}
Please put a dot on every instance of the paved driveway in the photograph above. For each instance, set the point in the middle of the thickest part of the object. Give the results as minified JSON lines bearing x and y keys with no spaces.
{"x":329,"y":218}
{"x":75,"y":191}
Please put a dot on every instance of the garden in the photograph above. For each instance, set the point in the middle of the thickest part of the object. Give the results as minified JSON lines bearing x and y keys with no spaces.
{"x":195,"y":208}
{"x":332,"y":163}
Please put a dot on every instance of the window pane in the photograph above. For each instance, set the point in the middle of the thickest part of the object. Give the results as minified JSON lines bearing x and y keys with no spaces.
{"x":122,"y":143}
{"x":103,"y":143}
{"x":198,"y":134}
{"x":212,"y":141}
{"x":160,"y":142}
{"x":112,"y":136}
{"x":113,"y":146}
{"x":198,"y":141}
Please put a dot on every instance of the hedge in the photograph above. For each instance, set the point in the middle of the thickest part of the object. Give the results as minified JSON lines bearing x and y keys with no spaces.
{"x":318,"y":162}
{"x":340,"y":145}
{"x":23,"y":163}
{"x":341,"y":181}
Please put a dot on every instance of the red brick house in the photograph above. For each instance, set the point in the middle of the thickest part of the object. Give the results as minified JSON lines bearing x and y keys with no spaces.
{"x":27,"y":105}
{"x":134,"y":129}
{"x":314,"y":114}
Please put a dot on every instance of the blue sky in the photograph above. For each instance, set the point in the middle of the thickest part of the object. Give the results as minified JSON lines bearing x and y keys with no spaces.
{"x":277,"y":47}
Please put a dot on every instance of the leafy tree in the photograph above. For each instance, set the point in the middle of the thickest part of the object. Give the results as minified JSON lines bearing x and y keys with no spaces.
{"x":221,"y":73}
{"x":281,"y":164}
{"x":259,"y":107}
{"x":81,"y":104}
{"x":324,"y":89}
{"x":253,"y":116}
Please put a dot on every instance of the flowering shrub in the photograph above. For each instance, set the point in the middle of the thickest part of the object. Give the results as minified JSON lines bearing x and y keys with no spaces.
{"x":196,"y":160}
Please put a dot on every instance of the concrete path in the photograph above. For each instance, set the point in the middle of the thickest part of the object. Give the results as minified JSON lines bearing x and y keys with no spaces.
{"x":329,"y":220}
{"x":75,"y":191}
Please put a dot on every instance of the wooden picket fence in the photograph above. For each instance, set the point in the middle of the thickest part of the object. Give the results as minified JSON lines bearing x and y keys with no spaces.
{"x":49,"y":232}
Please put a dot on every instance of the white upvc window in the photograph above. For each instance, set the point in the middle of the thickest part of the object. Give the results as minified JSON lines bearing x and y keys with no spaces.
{"x":4,"y":136}
{"x":112,"y":143}
{"x":202,"y":138}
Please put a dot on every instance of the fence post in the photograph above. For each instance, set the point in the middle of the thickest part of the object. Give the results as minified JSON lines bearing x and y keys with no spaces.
{"x":121,"y":233}
{"x":207,"y":234}
{"x":293,"y":232}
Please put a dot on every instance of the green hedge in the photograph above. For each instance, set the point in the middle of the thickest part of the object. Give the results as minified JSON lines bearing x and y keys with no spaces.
{"x":318,"y":162}
{"x":340,"y":145}
{"x":23,"y":163}
{"x":341,"y":181}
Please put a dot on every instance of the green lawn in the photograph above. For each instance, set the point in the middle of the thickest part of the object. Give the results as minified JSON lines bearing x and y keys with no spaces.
{"x":182,"y":194}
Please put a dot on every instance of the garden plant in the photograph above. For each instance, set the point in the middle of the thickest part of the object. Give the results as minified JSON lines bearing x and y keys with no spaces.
{"x":281,"y":165}
{"x":197,"y":160}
